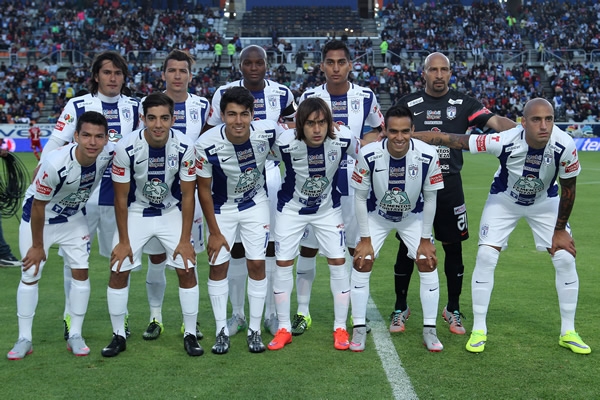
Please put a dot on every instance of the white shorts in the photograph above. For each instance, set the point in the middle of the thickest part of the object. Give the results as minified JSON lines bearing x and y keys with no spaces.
{"x":166,"y":228}
{"x":101,"y":221}
{"x":252,"y":228}
{"x":73,"y":237}
{"x":327,"y":226}
{"x":500,"y":217}
{"x":154,"y":247}
{"x":273,"y":174}
{"x":409,"y":229}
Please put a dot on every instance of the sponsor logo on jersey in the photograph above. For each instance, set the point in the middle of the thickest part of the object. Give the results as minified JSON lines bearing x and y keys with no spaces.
{"x":315,"y":159}
{"x":460,"y":209}
{"x":457,"y":101}
{"x":155,"y":191}
{"x":415,"y":102}
{"x":397,"y":172}
{"x":451,"y":112}
{"x":528,"y":185}
{"x":314,"y":185}
{"x":119,"y":171}
{"x":89,"y":177}
{"x":69,"y":119}
{"x":434,"y":114}
{"x":374,"y":157}
{"x":247,"y":180}
{"x":573,"y":167}
{"x":357,"y":177}
{"x":215,"y":149}
{"x":77,"y":198}
{"x":114,"y":135}
{"x":395,"y":200}
{"x":156,"y":162}
{"x":437,"y":178}
{"x":200,"y":162}
{"x":339,"y":105}
{"x":42,"y":189}
{"x":244,"y":154}
{"x":59,"y":125}
{"x":480,"y":143}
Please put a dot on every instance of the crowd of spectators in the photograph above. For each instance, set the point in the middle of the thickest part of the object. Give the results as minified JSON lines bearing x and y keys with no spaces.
{"x":483,"y":34}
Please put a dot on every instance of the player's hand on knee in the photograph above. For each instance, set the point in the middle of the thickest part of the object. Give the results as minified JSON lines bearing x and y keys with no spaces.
{"x":426,"y":257}
{"x":364,"y":255}
{"x":119,"y":254}
{"x":214,"y":244}
{"x":562,"y":240}
{"x":187,"y":253}
{"x":34,"y":257}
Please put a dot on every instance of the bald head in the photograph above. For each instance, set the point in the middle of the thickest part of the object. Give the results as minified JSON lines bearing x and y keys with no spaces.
{"x":253,"y":49}
{"x":436,"y":56}
{"x":436,"y":73}
{"x":533,"y":104}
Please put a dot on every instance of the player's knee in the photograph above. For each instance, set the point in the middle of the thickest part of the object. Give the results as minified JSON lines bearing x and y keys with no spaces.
{"x":563,"y":261}
{"x":487,"y":257}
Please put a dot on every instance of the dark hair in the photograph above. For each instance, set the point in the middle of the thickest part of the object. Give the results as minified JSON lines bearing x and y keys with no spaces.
{"x":157,"y":99}
{"x":398,"y":112}
{"x":309,"y":106}
{"x":179,"y":55}
{"x":238,"y":95}
{"x":92,"y":117}
{"x":113,"y":57}
{"x":335,"y":45}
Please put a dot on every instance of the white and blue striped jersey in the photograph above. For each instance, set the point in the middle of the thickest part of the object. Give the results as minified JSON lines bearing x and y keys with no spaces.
{"x":275,"y":101}
{"x":191,"y":115}
{"x":527,"y":175}
{"x":310,"y":171}
{"x":355,"y":109}
{"x":154,"y":174}
{"x":122,"y":114}
{"x":237,"y":171}
{"x":395,"y":185}
{"x":65,"y":183}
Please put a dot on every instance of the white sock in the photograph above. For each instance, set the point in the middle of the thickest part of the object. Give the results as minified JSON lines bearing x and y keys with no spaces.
{"x":270,"y":266}
{"x":430,"y":296}
{"x":117,"y":308}
{"x":482,"y":284}
{"x":189,"y":300}
{"x":283,"y":284}
{"x":80,"y":294}
{"x":567,"y":287}
{"x":156,"y":284}
{"x":340,"y":288}
{"x":218,"y":292}
{"x":306,"y":270}
{"x":359,"y":296}
{"x":237,"y":275}
{"x":257,"y":291}
{"x":67,"y":276}
{"x":27,"y":300}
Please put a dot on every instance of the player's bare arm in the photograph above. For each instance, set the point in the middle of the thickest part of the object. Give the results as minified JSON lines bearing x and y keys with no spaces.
{"x":215,"y":239}
{"x":36,"y":254}
{"x":500,"y":124}
{"x":185,"y":249}
{"x":561,"y":239}
{"x":123,"y":249}
{"x":452,"y":140}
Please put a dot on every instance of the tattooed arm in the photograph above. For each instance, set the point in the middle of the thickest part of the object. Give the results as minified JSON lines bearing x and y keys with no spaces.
{"x":561,"y":239}
{"x":451,"y":140}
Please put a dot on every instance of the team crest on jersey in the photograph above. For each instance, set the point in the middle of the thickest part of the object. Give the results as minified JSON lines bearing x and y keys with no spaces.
{"x":355,"y":105}
{"x":194,"y":114}
{"x":395,"y":200}
{"x":272,"y":102}
{"x":172,"y":161}
{"x":413,"y":170}
{"x":548,"y":158}
{"x":332,"y":155}
{"x":126,"y":112}
{"x":528,"y":185}
{"x":485,"y":229}
{"x":155,"y":191}
{"x":69,"y":119}
{"x":261,"y":147}
{"x":114,"y":135}
{"x":247,"y":180}
{"x":451,"y":112}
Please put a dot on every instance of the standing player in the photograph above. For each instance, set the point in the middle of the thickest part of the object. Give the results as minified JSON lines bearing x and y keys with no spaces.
{"x":154,"y":183}
{"x":274,"y":102}
{"x":532,"y":157}
{"x":52,"y":213}
{"x":230,"y":166}
{"x":438,"y":108}
{"x":109,"y":72}
{"x":191,"y":113}
{"x":400,"y":178}
{"x":352,"y":106}
{"x":34,"y":138}
{"x":312,"y":154}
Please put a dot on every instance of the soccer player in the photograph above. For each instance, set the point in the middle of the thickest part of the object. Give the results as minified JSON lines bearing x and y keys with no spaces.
{"x":191,"y":113}
{"x":352,"y":106}
{"x":275,"y":102}
{"x":532,"y":156}
{"x":400,"y":178}
{"x":52,"y":213}
{"x":34,"y":138}
{"x":109,"y":72}
{"x":438,"y":108}
{"x":154,"y":182}
{"x":312,"y":154}
{"x":230,"y":167}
